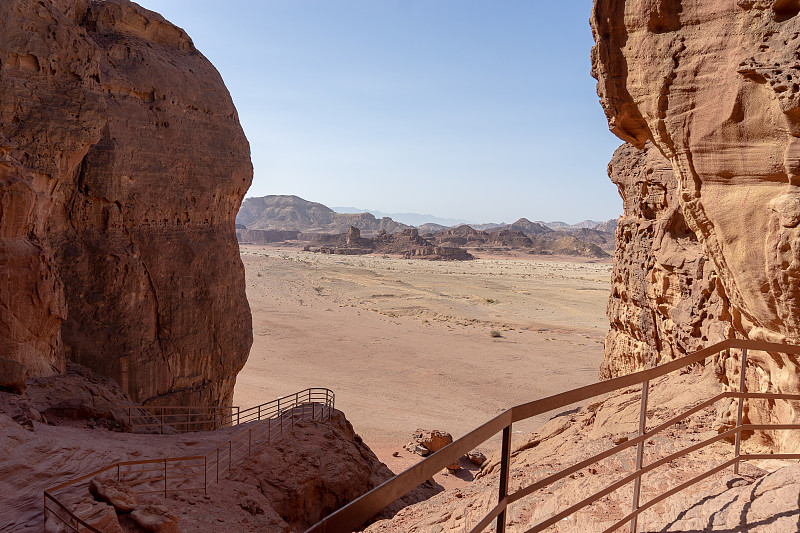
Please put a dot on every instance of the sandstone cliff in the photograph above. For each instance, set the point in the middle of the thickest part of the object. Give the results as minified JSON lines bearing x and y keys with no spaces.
{"x":122,"y":165}
{"x":713,"y":84}
{"x":666,"y":298}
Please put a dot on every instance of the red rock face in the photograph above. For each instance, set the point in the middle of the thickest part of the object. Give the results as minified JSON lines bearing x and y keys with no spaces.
{"x":715,"y":85}
{"x":666,"y":298}
{"x":123,"y":165}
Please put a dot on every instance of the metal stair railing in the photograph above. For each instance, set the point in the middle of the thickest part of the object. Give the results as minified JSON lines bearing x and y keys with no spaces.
{"x":195,"y":473}
{"x":359,"y":511}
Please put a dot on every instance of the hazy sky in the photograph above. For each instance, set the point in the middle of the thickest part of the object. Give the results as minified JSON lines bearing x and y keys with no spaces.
{"x":478,"y":110}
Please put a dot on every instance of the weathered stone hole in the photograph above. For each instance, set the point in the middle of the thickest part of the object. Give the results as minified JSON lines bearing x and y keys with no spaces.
{"x":785,"y":9}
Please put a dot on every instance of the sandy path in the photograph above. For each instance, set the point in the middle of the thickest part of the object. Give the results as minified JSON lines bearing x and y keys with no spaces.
{"x":406,"y":344}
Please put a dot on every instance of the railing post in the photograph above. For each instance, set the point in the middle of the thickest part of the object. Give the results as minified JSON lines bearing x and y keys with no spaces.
{"x":637,"y":483}
{"x":259,"y":412}
{"x":230,"y":457}
{"x":505,"y":464}
{"x":117,"y":472}
{"x":217,"y":465}
{"x":162,"y":419}
{"x":740,"y":411}
{"x":165,"y":477}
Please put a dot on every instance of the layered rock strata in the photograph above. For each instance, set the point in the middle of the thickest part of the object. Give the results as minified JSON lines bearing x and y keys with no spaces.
{"x":123,"y":164}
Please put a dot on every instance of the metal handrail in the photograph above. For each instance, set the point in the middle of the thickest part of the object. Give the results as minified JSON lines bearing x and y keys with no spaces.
{"x":217,"y":461}
{"x":357,"y":512}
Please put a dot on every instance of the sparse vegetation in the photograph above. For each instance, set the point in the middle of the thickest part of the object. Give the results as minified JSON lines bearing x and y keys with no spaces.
{"x":490,"y":300}
{"x":495,"y":334}
{"x":318,"y":289}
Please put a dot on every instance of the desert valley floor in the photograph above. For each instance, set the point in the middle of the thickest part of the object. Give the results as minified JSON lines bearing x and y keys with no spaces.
{"x":408,"y":344}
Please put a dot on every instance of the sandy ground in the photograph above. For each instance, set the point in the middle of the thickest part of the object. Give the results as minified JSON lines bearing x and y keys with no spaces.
{"x":408,"y":344}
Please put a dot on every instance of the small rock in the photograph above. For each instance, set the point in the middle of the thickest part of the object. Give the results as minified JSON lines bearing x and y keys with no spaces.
{"x":475,"y":457}
{"x":454,"y":467}
{"x":619,"y":439}
{"x":396,"y":454}
{"x":419,"y":449}
{"x":119,"y":495}
{"x":433,"y":439}
{"x":156,"y":519}
{"x":34,"y":414}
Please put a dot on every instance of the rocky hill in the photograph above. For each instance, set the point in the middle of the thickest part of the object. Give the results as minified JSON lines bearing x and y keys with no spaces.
{"x":286,"y":218}
{"x":123,"y":165}
{"x":292,"y":213}
{"x":526,"y":236}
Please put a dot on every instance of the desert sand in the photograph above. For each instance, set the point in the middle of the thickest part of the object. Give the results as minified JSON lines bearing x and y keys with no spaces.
{"x":408,"y":344}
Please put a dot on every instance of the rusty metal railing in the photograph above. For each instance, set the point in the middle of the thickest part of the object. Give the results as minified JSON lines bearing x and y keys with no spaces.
{"x":193,"y":473}
{"x":359,"y":511}
{"x":180,"y":418}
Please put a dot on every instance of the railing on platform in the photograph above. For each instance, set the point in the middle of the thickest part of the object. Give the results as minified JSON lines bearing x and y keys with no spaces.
{"x":178,"y":418}
{"x":176,"y":474}
{"x":359,"y":511}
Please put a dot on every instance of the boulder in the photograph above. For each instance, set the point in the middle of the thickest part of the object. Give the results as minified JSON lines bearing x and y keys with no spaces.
{"x":12,"y":376}
{"x":475,"y":457}
{"x":117,"y":494}
{"x":433,"y":439}
{"x":98,"y":515}
{"x":156,"y":519}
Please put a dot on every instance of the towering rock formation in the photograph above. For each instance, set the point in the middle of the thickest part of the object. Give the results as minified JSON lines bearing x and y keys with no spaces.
{"x":122,"y":167}
{"x":666,"y":299}
{"x":715,"y":85}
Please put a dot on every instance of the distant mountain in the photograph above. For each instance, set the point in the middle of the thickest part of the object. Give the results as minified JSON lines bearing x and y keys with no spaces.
{"x":278,"y":214}
{"x":292,"y":213}
{"x":413,"y":219}
{"x":529,"y":228}
{"x":427,"y":229}
{"x":540,"y":240}
{"x":486,"y":227}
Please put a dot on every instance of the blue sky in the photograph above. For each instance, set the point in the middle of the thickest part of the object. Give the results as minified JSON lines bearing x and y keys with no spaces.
{"x":476,"y":110}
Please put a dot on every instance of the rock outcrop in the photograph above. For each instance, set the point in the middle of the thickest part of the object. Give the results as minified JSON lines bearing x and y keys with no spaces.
{"x":573,"y":436}
{"x":714,"y":86}
{"x":666,"y":298}
{"x":711,"y":84}
{"x":122,"y":167}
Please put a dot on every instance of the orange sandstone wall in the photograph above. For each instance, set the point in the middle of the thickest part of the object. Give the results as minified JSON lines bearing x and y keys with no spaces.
{"x":122,"y":167}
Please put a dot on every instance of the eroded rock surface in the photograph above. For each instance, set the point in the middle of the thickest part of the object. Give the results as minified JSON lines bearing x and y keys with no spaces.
{"x":666,"y":298}
{"x":122,"y":164}
{"x":575,"y":435}
{"x":713,"y":84}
